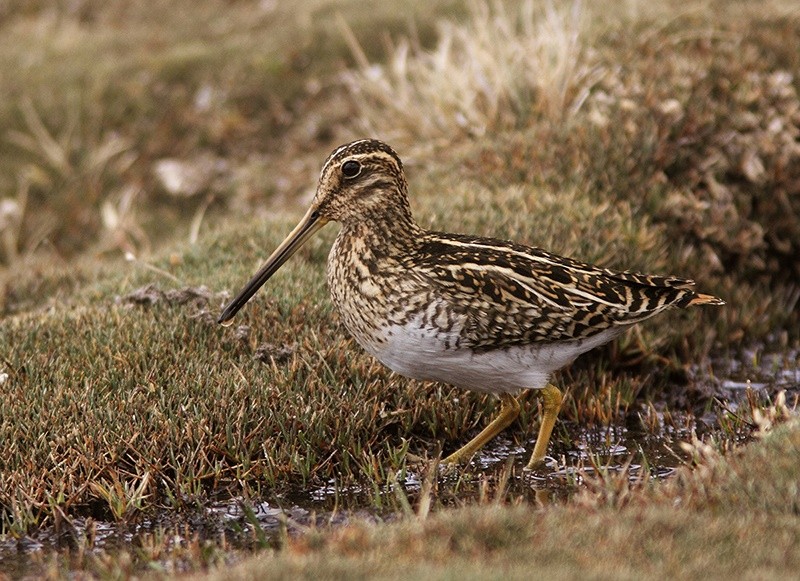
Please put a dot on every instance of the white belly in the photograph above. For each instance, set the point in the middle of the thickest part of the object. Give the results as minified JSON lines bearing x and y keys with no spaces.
{"x":421,"y":353}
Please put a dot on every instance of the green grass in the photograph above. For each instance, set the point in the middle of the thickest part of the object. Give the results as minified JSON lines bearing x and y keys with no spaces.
{"x":122,"y":404}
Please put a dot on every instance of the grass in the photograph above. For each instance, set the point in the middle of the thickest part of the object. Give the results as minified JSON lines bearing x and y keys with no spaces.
{"x":471,"y":84}
{"x":699,"y":525}
{"x":169,"y":394}
{"x":726,"y":515}
{"x":635,"y":141}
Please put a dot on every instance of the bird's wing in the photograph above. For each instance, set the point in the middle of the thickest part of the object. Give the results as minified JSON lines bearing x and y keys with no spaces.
{"x":509,"y":294}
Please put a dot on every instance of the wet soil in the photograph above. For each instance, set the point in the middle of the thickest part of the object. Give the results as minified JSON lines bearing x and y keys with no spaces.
{"x":646,"y":447}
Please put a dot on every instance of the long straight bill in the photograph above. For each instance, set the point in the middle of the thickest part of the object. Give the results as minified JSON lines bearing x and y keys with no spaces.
{"x":310,"y":223}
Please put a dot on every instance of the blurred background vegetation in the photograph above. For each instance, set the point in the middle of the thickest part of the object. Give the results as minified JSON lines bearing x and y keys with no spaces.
{"x":122,"y":124}
{"x":119,"y":120}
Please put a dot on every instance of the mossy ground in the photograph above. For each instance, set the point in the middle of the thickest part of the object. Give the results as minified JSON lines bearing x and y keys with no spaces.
{"x":122,"y":398}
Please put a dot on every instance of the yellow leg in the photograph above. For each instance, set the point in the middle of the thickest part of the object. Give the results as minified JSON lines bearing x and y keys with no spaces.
{"x":551,"y":404}
{"x":509,"y":410}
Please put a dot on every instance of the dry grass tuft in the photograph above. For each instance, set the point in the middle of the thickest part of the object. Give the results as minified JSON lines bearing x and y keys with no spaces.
{"x":82,"y":162}
{"x":499,"y":69}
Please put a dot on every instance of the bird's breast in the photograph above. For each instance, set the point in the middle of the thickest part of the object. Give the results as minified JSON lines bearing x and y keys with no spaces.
{"x":366,"y":289}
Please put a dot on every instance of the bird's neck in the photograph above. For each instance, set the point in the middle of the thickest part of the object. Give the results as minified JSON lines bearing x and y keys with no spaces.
{"x":390,"y":227}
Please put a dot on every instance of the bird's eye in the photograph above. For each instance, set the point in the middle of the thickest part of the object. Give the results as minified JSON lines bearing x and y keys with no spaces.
{"x":351,"y":169}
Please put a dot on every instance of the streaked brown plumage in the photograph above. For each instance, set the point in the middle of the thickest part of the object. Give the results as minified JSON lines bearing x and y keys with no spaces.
{"x":480,"y":313}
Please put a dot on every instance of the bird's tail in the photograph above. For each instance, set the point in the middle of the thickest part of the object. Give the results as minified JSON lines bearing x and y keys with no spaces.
{"x":701,"y":299}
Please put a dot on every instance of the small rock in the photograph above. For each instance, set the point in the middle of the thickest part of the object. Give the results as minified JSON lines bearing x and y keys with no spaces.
{"x":146,"y":295}
{"x":752,"y":167}
{"x":671,"y":108}
{"x":242,"y":333}
{"x":187,"y":178}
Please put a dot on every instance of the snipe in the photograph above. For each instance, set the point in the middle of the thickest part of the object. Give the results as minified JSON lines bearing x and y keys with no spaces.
{"x":479,"y":313}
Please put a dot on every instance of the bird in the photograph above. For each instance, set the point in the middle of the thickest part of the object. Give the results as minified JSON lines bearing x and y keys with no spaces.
{"x":483,"y":314}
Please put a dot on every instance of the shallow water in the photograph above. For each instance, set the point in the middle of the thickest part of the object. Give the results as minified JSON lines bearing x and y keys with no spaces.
{"x":760,"y":370}
{"x":244,"y":525}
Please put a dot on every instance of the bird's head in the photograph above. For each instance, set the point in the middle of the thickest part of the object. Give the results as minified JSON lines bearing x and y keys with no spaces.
{"x":358,"y":181}
{"x":361,"y":182}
